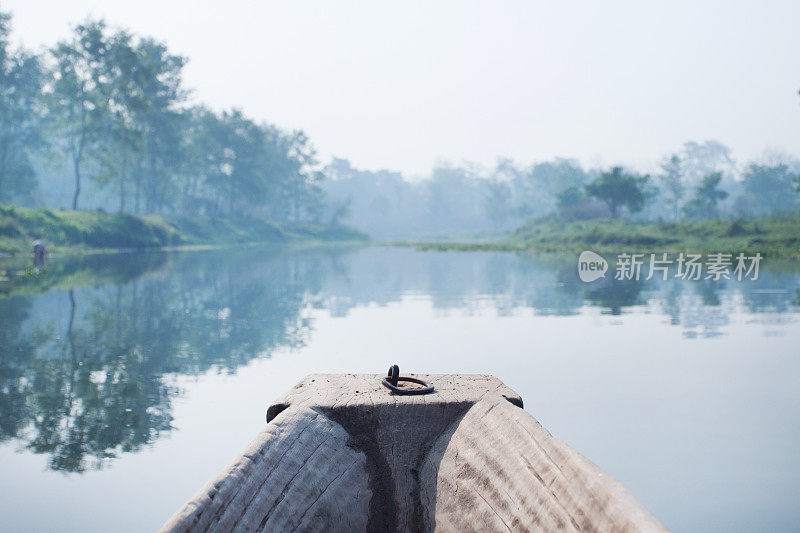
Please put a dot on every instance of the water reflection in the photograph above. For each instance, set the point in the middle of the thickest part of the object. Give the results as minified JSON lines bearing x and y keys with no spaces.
{"x":89,"y":351}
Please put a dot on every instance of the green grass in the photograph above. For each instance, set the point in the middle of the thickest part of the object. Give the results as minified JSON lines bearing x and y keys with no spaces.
{"x":778,"y":237}
{"x":76,"y":231}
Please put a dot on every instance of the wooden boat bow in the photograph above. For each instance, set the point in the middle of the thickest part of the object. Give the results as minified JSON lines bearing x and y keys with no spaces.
{"x":340,"y":452}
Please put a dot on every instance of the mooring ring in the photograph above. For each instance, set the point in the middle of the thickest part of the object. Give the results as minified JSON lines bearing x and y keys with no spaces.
{"x":394,"y":375}
{"x":391,"y":380}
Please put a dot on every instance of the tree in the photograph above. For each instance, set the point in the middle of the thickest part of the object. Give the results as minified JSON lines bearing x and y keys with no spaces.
{"x":454,"y":198}
{"x":340,"y":212}
{"x":381,"y":202}
{"x":555,"y":176}
{"x":497,"y":201}
{"x":233,"y":150}
{"x":21,"y":80}
{"x":672,"y":182}
{"x":535,"y":190}
{"x":119,"y":137}
{"x":698,"y":160}
{"x":141,"y":126}
{"x":567,"y":200}
{"x":160,"y":121}
{"x":617,"y":189}
{"x":767,"y":189}
{"x":242,"y":167}
{"x":76,"y":97}
{"x":299,"y":174}
{"x":704,"y":203}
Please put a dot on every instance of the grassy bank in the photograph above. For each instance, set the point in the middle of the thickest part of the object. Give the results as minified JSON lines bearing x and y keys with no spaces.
{"x":75,"y":231}
{"x":773,"y":238}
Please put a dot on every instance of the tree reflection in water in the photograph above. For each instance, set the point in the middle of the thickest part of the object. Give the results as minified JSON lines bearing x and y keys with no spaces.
{"x":89,"y":352}
{"x":87,"y":382}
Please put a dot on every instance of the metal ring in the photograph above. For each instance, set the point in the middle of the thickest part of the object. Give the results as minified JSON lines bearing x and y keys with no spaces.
{"x":393,"y":375}
{"x":425,"y":389}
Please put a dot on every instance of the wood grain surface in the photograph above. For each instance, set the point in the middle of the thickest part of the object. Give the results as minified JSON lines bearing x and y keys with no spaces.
{"x":342,"y":453}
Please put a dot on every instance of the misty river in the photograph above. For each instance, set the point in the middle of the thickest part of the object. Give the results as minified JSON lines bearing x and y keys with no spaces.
{"x":128,"y":380}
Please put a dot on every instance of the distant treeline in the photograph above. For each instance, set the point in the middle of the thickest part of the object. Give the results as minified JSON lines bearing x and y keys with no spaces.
{"x":702,"y":181}
{"x":102,"y":121}
{"x":105,"y":112}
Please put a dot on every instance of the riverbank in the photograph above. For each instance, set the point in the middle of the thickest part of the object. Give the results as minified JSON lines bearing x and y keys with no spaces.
{"x":778,"y":237}
{"x":65,"y":231}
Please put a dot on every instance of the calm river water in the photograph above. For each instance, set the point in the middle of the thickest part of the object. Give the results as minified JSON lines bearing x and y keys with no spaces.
{"x":126,"y":381}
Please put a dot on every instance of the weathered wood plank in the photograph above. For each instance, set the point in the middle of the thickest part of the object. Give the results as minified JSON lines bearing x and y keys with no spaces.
{"x":341,"y":453}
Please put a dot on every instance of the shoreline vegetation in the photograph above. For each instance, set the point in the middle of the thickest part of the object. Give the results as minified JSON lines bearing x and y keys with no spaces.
{"x":777,"y":237}
{"x":85,"y":232}
{"x":70,"y":232}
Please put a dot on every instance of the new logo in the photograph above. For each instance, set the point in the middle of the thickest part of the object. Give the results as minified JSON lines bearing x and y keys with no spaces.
{"x":591,"y":266}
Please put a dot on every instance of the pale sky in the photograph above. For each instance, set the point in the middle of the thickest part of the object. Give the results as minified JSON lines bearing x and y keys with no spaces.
{"x":398,"y":85}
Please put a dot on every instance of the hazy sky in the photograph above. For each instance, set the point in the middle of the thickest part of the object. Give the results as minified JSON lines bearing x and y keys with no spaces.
{"x":400,"y":84}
